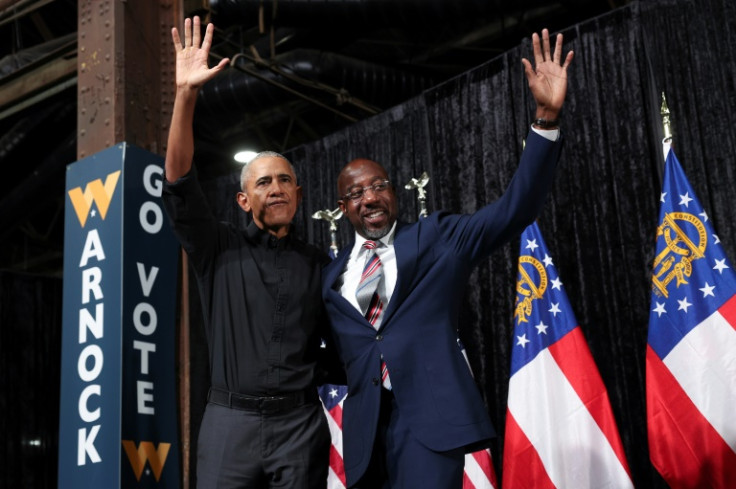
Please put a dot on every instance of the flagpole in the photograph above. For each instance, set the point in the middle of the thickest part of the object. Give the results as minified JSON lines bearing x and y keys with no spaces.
{"x":332,"y":395}
{"x":664,"y":112}
{"x":690,"y":336}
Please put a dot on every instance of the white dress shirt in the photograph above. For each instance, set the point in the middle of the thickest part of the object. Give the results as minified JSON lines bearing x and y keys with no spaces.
{"x":350,"y":277}
{"x":551,"y":134}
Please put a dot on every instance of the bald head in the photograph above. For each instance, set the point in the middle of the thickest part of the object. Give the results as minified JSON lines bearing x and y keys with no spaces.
{"x":245,"y":171}
{"x":358,"y":166}
{"x":374,"y":212}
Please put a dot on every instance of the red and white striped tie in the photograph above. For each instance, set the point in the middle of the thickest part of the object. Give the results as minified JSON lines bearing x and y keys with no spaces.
{"x":369,"y":300}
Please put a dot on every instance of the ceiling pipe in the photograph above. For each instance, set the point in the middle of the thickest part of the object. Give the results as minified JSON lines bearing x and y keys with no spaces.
{"x":11,"y":10}
{"x":324,"y":76}
{"x":374,"y":13}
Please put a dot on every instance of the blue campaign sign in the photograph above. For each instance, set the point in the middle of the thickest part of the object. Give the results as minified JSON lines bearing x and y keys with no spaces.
{"x":89,"y":426}
{"x":150,"y":456}
{"x":118,"y":415}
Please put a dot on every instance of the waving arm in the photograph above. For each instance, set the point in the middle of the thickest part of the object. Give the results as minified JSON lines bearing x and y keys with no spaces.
{"x":191,"y":73}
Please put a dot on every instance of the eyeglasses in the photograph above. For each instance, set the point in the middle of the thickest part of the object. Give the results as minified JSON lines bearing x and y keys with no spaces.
{"x":356,"y":195}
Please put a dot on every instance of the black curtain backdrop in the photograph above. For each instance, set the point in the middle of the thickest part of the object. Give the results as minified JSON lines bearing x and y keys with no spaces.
{"x":601,"y":219}
{"x":599,"y":223}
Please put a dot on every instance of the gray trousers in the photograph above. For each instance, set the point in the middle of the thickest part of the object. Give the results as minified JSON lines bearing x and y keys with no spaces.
{"x":243,"y":449}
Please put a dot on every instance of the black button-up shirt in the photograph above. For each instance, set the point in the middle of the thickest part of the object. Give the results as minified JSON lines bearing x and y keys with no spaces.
{"x":261,"y":297}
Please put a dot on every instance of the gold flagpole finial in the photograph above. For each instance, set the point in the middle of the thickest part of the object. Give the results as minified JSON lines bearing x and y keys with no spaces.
{"x":331,"y":216}
{"x":418,"y":184}
{"x":666,"y":124}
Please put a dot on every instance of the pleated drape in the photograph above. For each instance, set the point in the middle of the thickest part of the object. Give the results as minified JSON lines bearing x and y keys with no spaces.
{"x":467,"y":133}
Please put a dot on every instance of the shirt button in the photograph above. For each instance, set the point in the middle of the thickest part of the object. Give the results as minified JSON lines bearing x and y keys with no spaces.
{"x":379,"y":337}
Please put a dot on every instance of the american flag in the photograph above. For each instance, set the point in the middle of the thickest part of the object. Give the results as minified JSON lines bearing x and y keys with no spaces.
{"x":333,"y":397}
{"x":560,"y":430}
{"x":479,"y":473}
{"x":691,"y":347}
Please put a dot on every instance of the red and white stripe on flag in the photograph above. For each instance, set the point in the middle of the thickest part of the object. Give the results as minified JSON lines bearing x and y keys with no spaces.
{"x":560,"y":430}
{"x":333,"y":397}
{"x":691,"y":344}
{"x":479,"y":473}
{"x":691,"y":396}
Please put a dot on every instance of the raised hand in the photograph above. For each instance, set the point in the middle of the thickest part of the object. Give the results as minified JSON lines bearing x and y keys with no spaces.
{"x":191,"y":73}
{"x":192,"y":70}
{"x":548,"y":79}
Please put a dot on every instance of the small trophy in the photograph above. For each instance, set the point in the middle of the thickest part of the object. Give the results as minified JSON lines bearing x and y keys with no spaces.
{"x":419,"y":184}
{"x":331,"y":217}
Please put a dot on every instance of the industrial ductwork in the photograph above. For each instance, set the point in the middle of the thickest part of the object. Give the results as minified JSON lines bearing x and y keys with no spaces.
{"x":376,"y":13}
{"x":320,"y":76}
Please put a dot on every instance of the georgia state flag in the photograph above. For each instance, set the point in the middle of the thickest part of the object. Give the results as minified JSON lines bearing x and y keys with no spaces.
{"x":691,"y":347}
{"x":560,"y":430}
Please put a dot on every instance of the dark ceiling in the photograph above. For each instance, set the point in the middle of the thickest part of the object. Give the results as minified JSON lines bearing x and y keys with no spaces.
{"x":304,"y":71}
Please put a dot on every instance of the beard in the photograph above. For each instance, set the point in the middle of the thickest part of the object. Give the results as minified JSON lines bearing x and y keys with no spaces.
{"x":376,"y":233}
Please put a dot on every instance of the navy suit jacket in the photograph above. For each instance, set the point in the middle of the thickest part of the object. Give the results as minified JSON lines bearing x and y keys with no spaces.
{"x":435,"y":256}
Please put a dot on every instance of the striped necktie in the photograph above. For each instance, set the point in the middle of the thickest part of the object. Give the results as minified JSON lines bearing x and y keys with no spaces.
{"x":369,"y":300}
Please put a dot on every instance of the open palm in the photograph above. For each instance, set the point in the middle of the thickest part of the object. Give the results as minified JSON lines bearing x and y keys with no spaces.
{"x":191,"y":59}
{"x":548,"y":79}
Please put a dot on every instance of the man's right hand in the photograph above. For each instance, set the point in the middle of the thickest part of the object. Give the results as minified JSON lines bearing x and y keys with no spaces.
{"x":192,"y":70}
{"x":191,"y":73}
{"x":548,"y":79}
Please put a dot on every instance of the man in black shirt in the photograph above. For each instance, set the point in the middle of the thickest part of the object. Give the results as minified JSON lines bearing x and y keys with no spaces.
{"x":260,"y":288}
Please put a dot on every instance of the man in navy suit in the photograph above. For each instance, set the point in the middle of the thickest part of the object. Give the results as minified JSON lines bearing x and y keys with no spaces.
{"x":413,"y":409}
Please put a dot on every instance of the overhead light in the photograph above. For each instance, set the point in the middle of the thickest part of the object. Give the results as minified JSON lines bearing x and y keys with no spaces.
{"x":244,"y":156}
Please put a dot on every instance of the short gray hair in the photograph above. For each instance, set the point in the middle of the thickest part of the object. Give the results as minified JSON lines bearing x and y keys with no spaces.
{"x":263,"y":154}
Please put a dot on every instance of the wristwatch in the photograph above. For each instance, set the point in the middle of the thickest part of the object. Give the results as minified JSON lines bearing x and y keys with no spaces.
{"x":546,"y":123}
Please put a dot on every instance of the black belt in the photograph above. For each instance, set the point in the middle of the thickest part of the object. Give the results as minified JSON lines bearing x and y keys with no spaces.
{"x":262,"y":405}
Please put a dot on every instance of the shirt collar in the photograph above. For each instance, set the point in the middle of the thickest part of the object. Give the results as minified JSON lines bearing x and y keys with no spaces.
{"x":264,"y":238}
{"x":387,"y":240}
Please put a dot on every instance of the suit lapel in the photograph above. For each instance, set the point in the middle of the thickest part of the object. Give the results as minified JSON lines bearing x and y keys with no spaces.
{"x":332,"y":274}
{"x":334,"y":269}
{"x":406,"y":259}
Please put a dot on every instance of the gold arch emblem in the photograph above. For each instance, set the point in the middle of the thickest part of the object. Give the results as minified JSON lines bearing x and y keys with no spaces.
{"x":674,"y":262}
{"x":527,"y":289}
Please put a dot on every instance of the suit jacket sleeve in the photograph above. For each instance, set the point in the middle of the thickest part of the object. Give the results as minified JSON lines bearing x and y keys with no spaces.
{"x":476,"y":235}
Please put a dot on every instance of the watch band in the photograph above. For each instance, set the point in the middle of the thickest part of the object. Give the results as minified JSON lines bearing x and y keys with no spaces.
{"x":546,"y":123}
